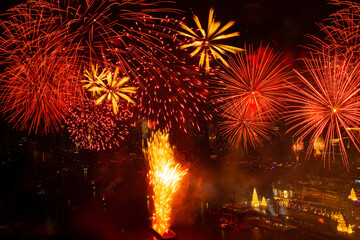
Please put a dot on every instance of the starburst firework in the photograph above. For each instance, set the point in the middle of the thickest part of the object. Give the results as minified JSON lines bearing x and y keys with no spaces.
{"x":327,"y":104}
{"x":112,"y":90}
{"x":251,"y":95}
{"x":240,"y":128}
{"x":39,"y":75}
{"x":206,"y":43}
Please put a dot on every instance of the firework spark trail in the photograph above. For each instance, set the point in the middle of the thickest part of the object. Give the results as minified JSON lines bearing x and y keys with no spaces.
{"x":36,"y":87}
{"x":251,"y":94}
{"x":240,"y":128}
{"x":165,"y":177}
{"x":341,"y":29}
{"x":326,"y":104}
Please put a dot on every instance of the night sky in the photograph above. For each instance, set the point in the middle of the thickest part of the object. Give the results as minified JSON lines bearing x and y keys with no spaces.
{"x":257,"y":20}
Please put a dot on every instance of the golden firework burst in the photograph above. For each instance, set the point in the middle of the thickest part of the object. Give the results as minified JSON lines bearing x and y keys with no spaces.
{"x":206,"y":41}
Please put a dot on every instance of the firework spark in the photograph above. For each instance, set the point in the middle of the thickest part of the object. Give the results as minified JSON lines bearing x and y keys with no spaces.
{"x":205,"y":42}
{"x":173,"y":95}
{"x":326,"y":104}
{"x":251,"y":95}
{"x":297,"y":147}
{"x":94,"y":127}
{"x":318,"y":146}
{"x":165,"y":177}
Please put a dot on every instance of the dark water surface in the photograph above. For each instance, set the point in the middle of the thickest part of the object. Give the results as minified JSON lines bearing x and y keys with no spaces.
{"x":110,"y":201}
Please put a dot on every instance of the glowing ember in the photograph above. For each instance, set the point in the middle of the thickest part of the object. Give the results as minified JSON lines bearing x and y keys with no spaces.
{"x":165,"y":176}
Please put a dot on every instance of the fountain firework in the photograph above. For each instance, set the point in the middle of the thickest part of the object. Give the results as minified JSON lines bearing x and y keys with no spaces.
{"x":165,"y":177}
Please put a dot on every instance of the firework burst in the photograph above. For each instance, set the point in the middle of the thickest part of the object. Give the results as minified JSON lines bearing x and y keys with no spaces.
{"x":248,"y":130}
{"x":36,"y":87}
{"x":165,"y":177}
{"x":94,"y":126}
{"x":326,"y":104}
{"x":206,"y":43}
{"x":112,"y":90}
{"x":173,"y":95}
{"x":251,"y":95}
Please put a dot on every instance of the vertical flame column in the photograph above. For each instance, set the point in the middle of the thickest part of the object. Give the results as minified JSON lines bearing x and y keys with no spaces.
{"x":165,"y":177}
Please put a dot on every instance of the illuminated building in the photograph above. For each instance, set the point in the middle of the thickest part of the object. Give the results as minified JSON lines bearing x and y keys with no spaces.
{"x":352,"y":195}
{"x":255,"y":200}
{"x":341,"y":227}
{"x":263,"y":202}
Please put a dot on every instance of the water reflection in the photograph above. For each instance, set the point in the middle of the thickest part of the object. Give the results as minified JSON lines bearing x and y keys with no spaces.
{"x":104,"y":204}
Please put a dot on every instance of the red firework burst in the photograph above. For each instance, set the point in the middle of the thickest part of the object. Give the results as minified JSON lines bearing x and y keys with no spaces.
{"x":251,"y":95}
{"x":95,"y":127}
{"x":241,"y":128}
{"x":173,"y":95}
{"x":36,"y":87}
{"x":327,"y":104}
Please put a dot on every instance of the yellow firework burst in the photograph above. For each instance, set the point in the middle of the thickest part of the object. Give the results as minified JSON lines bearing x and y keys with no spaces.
{"x":108,"y":86}
{"x":206,"y":41}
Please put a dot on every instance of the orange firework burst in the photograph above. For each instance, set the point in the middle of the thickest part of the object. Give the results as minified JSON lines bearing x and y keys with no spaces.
{"x":327,"y":105}
{"x":165,"y":177}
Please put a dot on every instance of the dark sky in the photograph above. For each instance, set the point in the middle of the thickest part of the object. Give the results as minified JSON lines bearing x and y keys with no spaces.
{"x":281,"y":21}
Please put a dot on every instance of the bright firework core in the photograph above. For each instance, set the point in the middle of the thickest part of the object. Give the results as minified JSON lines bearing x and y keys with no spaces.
{"x":165,"y":176}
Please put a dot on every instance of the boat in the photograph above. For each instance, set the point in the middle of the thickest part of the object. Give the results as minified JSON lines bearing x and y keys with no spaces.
{"x":229,"y":224}
{"x":270,"y":224}
{"x":169,"y":235}
{"x":234,"y":209}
